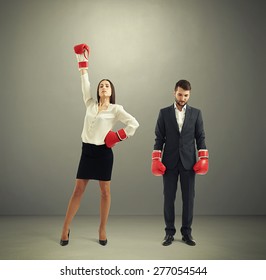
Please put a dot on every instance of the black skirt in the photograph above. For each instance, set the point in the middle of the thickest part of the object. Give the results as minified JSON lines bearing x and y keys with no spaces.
{"x":96,"y":162}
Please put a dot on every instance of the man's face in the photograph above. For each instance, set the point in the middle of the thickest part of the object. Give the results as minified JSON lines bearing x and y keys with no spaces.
{"x":181,"y":96}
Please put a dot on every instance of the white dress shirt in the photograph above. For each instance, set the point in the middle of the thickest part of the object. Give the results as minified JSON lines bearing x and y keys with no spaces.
{"x":180,"y":116}
{"x":98,"y":124}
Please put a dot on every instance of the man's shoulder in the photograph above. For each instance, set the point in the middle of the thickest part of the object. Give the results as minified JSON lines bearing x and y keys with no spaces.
{"x":193,"y":109}
{"x":167,"y":108}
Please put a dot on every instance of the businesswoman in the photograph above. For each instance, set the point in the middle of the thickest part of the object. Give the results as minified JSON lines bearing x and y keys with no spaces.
{"x":96,"y":161}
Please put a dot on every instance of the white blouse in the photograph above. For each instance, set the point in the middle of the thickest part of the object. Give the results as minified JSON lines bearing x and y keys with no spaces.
{"x":98,"y":124}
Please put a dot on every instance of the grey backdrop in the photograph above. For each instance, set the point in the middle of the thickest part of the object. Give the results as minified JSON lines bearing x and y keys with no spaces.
{"x":144,"y":47}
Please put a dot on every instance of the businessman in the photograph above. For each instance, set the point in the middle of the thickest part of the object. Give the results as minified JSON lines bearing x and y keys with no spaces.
{"x":179,"y":132}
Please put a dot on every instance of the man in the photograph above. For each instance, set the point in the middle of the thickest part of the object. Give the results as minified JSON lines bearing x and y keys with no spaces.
{"x":179,"y":130}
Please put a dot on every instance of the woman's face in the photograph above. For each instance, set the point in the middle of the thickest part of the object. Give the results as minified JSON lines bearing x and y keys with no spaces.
{"x":105,"y":89}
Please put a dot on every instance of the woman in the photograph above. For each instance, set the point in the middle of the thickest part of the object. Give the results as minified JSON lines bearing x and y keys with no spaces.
{"x":96,"y":160}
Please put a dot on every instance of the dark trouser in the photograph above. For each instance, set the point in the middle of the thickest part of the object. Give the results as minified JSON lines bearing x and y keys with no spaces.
{"x":187,"y":182}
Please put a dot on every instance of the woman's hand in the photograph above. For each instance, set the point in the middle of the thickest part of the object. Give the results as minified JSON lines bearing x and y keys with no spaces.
{"x":113,"y":137}
{"x":82,"y":53}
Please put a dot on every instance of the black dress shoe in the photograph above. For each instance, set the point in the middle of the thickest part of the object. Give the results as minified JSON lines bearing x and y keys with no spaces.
{"x":168,"y":239}
{"x":65,"y":242}
{"x":188,"y":240}
{"x":103,"y":242}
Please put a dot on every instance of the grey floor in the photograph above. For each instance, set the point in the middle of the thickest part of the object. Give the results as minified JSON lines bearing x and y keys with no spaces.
{"x":132,"y":238}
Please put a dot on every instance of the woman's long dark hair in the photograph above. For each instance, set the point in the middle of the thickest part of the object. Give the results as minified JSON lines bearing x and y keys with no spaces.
{"x":112,"y":97}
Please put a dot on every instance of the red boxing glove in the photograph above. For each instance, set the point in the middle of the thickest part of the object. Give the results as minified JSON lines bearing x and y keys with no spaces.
{"x":202,"y":165}
{"x":157,"y":167}
{"x":82,"y":53}
{"x":113,"y":137}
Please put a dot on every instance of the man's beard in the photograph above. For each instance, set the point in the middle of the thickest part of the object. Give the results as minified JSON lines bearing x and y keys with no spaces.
{"x":179,"y":104}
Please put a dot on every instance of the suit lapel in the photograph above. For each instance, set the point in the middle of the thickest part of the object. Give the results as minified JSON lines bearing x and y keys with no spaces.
{"x":187,"y":116}
{"x":173,"y":118}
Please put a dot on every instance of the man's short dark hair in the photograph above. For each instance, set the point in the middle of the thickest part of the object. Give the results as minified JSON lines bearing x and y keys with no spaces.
{"x":184,"y":84}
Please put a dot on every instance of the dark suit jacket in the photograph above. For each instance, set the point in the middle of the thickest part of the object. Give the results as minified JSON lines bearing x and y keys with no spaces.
{"x":176,"y":145}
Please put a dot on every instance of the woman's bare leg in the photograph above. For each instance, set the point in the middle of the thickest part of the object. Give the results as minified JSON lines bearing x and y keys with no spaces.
{"x":73,"y":205}
{"x":104,"y":207}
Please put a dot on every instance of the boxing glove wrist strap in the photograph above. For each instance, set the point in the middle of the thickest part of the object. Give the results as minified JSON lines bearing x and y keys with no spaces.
{"x":121,"y":134}
{"x":83,"y":64}
{"x":156,"y":155}
{"x":203,"y":153}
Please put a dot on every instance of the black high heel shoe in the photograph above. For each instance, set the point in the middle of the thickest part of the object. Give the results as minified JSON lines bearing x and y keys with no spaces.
{"x":103,"y":242}
{"x":65,"y":242}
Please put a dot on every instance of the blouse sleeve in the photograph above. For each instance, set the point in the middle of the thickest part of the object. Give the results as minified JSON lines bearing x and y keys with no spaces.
{"x":86,"y":89}
{"x":130,"y":122}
